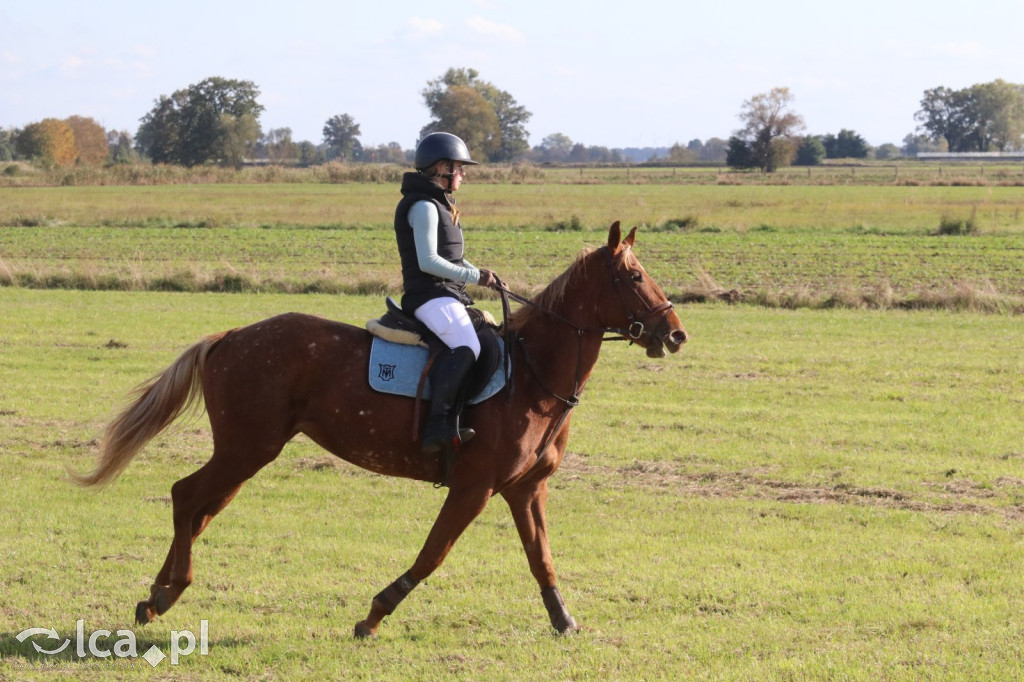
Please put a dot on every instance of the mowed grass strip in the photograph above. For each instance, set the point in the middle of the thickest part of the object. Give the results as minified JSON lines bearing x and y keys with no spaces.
{"x":809,"y":494}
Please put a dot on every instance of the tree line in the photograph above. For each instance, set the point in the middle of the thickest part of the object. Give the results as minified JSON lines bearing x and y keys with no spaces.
{"x":216,"y":121}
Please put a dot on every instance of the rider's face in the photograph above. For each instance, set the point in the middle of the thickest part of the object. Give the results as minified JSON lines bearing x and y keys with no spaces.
{"x":458,"y":174}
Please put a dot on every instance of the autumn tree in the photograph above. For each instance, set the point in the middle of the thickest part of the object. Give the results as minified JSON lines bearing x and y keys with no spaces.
{"x":90,"y":141}
{"x":463,"y":104}
{"x":50,"y":141}
{"x":341,"y":136}
{"x":769,"y":137}
{"x":211,"y":121}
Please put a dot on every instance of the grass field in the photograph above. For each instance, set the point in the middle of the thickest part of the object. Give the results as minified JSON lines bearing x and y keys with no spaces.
{"x":825,"y":485}
{"x":777,"y":245}
{"x":798,"y":495}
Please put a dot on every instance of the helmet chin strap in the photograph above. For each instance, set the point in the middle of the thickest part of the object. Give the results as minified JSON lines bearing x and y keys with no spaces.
{"x":450,"y":175}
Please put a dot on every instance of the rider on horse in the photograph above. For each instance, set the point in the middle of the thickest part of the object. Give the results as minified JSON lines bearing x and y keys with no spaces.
{"x":434,"y":277}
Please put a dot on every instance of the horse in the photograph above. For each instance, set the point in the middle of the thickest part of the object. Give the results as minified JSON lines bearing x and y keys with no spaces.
{"x":294,"y":373}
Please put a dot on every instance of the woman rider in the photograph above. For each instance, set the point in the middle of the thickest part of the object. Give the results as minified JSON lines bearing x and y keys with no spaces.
{"x":435,"y":274}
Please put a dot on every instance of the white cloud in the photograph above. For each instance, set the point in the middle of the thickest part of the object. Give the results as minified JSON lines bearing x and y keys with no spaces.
{"x":490,"y":29}
{"x":967,"y":49}
{"x":70,"y":65}
{"x":8,"y":57}
{"x":425,"y":27}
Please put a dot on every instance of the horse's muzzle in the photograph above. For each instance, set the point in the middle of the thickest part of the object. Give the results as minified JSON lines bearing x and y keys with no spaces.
{"x":669,"y":338}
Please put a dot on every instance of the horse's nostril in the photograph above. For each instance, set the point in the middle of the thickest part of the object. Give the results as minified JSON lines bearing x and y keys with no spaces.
{"x":679,"y":337}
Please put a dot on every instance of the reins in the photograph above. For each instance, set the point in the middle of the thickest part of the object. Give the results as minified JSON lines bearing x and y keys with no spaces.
{"x":633,"y":332}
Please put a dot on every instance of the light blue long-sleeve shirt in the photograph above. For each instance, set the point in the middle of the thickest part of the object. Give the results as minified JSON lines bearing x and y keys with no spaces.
{"x":424,"y":220}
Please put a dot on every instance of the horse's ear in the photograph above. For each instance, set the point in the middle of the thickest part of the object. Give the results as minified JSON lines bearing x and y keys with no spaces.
{"x":614,"y":236}
{"x":630,"y":238}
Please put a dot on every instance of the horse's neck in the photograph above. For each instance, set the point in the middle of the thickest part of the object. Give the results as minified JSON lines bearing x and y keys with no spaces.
{"x":561,"y":355}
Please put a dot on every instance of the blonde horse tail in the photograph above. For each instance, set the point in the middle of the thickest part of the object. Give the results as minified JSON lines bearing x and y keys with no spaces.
{"x":158,"y":402}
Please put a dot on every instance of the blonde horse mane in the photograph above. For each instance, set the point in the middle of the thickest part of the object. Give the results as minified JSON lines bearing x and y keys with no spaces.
{"x":553,"y":293}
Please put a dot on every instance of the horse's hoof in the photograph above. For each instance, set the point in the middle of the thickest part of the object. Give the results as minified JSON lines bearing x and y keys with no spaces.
{"x":567,"y":626}
{"x":364,"y":631}
{"x":143,"y":616}
{"x":160,"y":602}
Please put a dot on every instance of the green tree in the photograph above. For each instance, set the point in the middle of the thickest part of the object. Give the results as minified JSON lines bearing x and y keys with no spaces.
{"x":810,"y":152}
{"x":738,"y":154}
{"x":341,"y":136}
{"x":554,"y":148}
{"x":770,"y":129}
{"x":1000,"y":114}
{"x":121,"y":147}
{"x":887,"y":151}
{"x":276,"y":146}
{"x":310,"y":154}
{"x":391,"y":152}
{"x":846,"y":145}
{"x":914,"y":144}
{"x":210,"y":121}
{"x":977,"y":118}
{"x":7,"y":138}
{"x":463,"y":111}
{"x":677,"y":153}
{"x":237,"y":139}
{"x":714,"y":150}
{"x":511,"y":141}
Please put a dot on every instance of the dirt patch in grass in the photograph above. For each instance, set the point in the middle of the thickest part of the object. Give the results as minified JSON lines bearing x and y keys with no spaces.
{"x":961,"y":496}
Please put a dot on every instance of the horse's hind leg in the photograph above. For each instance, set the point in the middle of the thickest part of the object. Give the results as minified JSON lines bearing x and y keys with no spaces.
{"x":197,"y":498}
{"x":460,"y":508}
{"x":528,"y":510}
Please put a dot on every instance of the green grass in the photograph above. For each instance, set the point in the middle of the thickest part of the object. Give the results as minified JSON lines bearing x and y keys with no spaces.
{"x":777,"y":245}
{"x":799,"y":494}
{"x":878,"y":209}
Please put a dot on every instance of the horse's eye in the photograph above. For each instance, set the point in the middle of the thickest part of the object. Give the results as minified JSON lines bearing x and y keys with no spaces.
{"x":636,"y":276}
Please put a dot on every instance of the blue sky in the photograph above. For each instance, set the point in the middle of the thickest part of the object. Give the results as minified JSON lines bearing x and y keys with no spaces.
{"x":631,"y":73}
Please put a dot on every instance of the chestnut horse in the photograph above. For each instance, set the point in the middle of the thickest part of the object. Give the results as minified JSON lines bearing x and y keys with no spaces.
{"x":295,"y":373}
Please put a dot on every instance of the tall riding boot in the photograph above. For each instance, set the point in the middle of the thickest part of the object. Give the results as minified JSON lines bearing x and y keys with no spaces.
{"x":446,"y":379}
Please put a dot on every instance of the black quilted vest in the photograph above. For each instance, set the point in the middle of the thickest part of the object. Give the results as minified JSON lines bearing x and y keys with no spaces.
{"x":419,"y":286}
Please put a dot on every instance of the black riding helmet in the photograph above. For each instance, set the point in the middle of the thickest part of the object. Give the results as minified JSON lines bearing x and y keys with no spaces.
{"x":441,"y":146}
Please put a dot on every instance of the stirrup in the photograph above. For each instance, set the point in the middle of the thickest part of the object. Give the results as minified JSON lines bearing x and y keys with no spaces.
{"x":435,"y":445}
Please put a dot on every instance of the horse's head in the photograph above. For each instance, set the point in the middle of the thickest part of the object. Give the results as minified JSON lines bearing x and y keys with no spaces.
{"x":638,"y":307}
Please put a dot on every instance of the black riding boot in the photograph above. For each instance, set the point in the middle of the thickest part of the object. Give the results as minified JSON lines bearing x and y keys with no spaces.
{"x":446,"y":379}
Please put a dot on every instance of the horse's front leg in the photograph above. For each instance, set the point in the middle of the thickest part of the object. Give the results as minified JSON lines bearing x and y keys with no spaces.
{"x":462,"y":505}
{"x":527,"y":503}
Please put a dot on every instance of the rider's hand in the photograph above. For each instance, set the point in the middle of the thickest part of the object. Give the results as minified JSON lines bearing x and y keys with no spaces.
{"x":487,"y":278}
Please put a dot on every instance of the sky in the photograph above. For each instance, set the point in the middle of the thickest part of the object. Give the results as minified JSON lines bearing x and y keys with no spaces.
{"x":631,"y":73}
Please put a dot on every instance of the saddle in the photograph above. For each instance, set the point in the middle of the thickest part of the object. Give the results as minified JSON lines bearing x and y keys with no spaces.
{"x":395,"y":355}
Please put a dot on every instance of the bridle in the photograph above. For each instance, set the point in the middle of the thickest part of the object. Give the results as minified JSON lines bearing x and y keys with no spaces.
{"x":634,"y":331}
{"x":637,"y":327}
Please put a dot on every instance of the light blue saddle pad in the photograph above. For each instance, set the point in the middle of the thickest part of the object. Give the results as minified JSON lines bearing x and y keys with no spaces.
{"x":396,"y":368}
